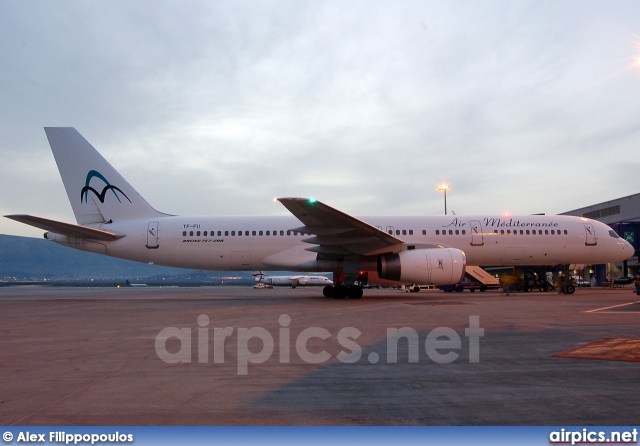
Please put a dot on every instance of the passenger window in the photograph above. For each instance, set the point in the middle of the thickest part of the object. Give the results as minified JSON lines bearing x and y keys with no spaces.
{"x":219,"y":233}
{"x":566,"y":232}
{"x":239,"y":233}
{"x":233,"y":233}
{"x":190,"y":233}
{"x":457,"y":232}
{"x":450,"y":231}
{"x":527,"y":232}
{"x":246,"y":233}
{"x":397,"y":231}
{"x":424,"y":232}
{"x":437,"y":231}
{"x":198,"y":233}
{"x":464,"y":232}
{"x":404,"y":232}
{"x":495,"y":231}
{"x":254,"y":232}
{"x":410,"y":231}
{"x":260,"y":233}
{"x":282,"y":232}
{"x":501,"y":231}
{"x":184,"y":233}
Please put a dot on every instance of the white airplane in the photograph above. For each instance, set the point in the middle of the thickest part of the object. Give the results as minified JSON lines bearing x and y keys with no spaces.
{"x":292,"y":281}
{"x":113,"y":219}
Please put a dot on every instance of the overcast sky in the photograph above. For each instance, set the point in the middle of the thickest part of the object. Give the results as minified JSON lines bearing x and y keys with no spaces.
{"x":214,"y":108}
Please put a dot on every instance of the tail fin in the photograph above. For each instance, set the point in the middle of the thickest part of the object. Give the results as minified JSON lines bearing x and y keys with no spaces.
{"x":97,"y":192}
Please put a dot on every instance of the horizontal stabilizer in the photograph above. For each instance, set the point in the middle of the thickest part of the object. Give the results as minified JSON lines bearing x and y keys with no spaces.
{"x":65,"y":228}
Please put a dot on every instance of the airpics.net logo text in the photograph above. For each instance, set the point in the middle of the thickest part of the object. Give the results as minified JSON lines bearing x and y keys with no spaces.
{"x":257,"y":345}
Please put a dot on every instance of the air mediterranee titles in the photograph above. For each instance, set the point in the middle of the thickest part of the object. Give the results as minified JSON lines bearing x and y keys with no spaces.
{"x":500,"y":223}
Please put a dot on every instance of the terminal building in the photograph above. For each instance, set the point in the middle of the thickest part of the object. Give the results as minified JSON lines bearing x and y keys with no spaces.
{"x":623,"y":216}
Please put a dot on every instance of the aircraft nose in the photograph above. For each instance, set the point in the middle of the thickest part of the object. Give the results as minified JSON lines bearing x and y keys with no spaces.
{"x":627,"y":248}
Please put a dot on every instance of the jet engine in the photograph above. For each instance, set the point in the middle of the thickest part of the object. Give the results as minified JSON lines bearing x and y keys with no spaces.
{"x":437,"y":266}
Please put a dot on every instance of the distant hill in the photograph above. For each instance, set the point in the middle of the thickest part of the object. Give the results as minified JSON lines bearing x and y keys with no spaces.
{"x":25,"y":258}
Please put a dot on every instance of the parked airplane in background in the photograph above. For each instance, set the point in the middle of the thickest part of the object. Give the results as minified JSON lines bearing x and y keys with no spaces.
{"x":292,"y":281}
{"x":113,"y":219}
{"x":134,"y":284}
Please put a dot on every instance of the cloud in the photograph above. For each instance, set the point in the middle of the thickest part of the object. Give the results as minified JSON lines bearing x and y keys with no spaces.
{"x":365,"y":105}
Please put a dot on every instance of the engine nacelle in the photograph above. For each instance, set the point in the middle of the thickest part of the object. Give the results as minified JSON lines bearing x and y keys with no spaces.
{"x":437,"y":266}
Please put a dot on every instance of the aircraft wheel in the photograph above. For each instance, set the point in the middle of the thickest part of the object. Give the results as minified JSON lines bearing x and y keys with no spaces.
{"x":354,"y":292}
{"x":327,"y":291}
{"x":571,"y":289}
{"x":339,"y":292}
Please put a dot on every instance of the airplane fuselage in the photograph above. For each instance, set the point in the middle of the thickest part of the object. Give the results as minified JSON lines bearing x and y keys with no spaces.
{"x":268,"y":243}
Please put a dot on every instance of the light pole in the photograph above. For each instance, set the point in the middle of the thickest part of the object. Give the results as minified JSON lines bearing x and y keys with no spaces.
{"x":444,"y":188}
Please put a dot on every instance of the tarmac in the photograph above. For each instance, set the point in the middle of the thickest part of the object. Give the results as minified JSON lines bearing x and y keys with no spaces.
{"x":239,"y":356}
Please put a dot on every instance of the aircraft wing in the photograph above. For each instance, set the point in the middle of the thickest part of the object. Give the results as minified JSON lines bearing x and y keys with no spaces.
{"x":336,"y":233}
{"x":65,"y":228}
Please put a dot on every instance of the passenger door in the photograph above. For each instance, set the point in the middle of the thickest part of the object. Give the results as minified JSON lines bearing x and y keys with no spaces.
{"x":477,"y":238}
{"x":590,"y":233}
{"x":152,"y":235}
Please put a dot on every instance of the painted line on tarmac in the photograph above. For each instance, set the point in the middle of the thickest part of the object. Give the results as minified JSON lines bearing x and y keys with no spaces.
{"x":602,"y":310}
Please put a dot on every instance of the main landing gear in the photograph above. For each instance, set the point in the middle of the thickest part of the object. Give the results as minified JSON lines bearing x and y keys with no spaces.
{"x":342,"y":291}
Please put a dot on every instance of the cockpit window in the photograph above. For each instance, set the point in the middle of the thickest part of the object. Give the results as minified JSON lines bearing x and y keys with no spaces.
{"x":613,"y":234}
